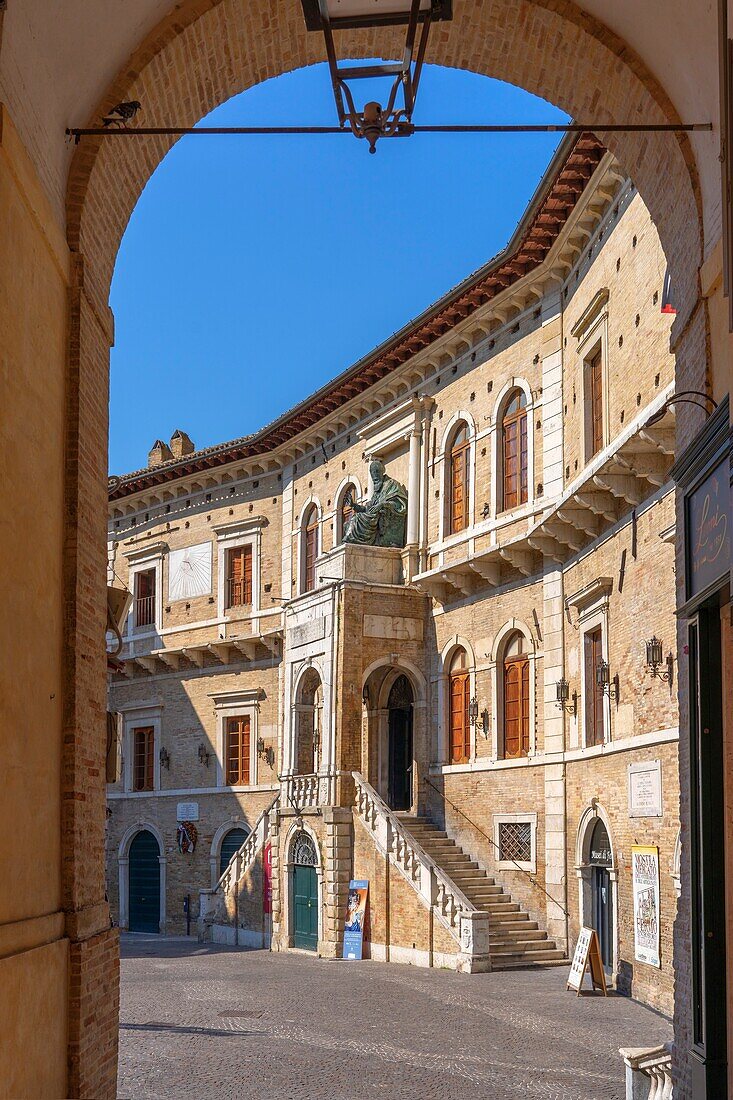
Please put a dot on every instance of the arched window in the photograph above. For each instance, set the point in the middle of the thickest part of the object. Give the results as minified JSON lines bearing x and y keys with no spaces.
{"x":345,"y":510}
{"x":516,"y":698}
{"x":514,"y":451}
{"x":230,"y":844}
{"x":458,"y":699}
{"x":458,"y":481}
{"x":310,"y":548}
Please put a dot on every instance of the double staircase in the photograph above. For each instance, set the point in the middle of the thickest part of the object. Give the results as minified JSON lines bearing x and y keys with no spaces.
{"x":514,"y":939}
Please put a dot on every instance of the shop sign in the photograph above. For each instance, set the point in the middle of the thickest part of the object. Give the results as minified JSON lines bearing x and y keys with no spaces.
{"x":708,"y":531}
{"x":355,"y":918}
{"x":645,"y":877}
{"x":645,"y":789}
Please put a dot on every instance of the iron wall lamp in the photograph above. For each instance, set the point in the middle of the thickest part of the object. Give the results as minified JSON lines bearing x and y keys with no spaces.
{"x":268,"y":753}
{"x":165,"y":760}
{"x":654,"y":660}
{"x":606,"y":684}
{"x":485,"y":722}
{"x":562,"y":691}
{"x":203,"y":755}
{"x":473,"y":711}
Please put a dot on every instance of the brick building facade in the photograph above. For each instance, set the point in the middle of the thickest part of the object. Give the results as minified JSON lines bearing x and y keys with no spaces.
{"x":470,"y":723}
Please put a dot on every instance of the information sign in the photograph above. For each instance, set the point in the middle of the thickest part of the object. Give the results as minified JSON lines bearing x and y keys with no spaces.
{"x":645,"y":875}
{"x":355,"y":918}
{"x":587,"y":957}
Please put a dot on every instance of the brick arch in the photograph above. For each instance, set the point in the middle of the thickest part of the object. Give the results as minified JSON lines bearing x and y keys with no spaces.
{"x":209,"y":50}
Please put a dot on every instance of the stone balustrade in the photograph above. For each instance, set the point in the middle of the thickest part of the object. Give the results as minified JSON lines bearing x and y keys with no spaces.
{"x":648,"y":1072}
{"x":213,"y":902}
{"x":307,"y":792}
{"x":468,"y":925}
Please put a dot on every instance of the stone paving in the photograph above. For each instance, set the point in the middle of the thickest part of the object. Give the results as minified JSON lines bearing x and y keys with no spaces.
{"x":206,"y":1022}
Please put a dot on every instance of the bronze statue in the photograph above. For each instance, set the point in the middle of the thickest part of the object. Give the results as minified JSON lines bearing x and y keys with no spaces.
{"x":382,"y":520}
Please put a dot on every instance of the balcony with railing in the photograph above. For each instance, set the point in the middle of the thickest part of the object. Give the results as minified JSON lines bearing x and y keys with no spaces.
{"x":145,"y":610}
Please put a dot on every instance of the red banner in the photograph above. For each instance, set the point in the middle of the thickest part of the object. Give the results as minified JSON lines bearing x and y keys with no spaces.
{"x":267,"y":878}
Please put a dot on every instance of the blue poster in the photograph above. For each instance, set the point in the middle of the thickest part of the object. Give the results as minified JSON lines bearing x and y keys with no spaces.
{"x":355,"y":917}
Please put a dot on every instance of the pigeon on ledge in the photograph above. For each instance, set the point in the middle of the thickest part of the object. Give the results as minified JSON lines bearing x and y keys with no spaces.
{"x":122,"y":113}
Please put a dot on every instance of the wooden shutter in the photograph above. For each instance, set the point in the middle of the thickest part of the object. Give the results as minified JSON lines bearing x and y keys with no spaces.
{"x":237,"y":751}
{"x":595,"y":400}
{"x":239,"y":579}
{"x":593,"y":696}
{"x":311,"y":552}
{"x":143,"y":773}
{"x":458,"y":515}
{"x":516,"y":707}
{"x":460,"y":732}
{"x":514,"y":447}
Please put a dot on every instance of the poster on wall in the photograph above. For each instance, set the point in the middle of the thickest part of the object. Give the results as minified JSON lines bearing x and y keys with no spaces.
{"x":355,"y":917}
{"x":645,"y":871}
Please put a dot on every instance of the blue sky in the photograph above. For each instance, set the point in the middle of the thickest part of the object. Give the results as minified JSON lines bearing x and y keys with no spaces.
{"x":256,"y":268}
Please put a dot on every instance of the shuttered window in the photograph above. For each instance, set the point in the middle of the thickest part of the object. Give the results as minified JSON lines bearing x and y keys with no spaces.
{"x":239,"y":576}
{"x":516,"y":704}
{"x":459,"y":694}
{"x":458,"y":483}
{"x":237,"y":751}
{"x":143,"y":769}
{"x":514,"y":451}
{"x":594,"y":401}
{"x":310,"y":550}
{"x":593,"y":696}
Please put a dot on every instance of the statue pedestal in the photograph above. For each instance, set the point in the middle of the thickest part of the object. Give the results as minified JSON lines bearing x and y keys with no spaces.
{"x":369,"y":564}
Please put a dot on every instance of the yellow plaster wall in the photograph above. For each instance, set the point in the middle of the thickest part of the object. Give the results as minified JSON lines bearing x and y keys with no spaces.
{"x":33,"y":321}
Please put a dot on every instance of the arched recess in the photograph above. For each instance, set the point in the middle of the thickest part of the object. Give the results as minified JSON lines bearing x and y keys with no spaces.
{"x":308,"y":721}
{"x":498,"y":503}
{"x":589,"y":866}
{"x":228,"y":826}
{"x":503,"y":640}
{"x":349,"y":486}
{"x":300,"y":836}
{"x":123,"y":862}
{"x":378,"y":683}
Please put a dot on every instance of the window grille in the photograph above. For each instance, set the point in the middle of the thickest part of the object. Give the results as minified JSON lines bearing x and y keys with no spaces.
{"x":515,"y":841}
{"x":304,"y":851}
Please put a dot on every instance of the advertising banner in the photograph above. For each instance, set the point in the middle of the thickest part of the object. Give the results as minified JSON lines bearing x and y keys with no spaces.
{"x":355,"y":918}
{"x":645,"y":870}
{"x":267,"y":878}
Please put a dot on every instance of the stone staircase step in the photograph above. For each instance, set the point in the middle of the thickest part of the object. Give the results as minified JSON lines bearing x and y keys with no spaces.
{"x":518,"y":936}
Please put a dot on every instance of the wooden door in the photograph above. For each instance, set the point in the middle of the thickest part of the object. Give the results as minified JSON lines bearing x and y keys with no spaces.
{"x":514,"y":446}
{"x":458,"y":517}
{"x":144,"y":884}
{"x":594,"y":392}
{"x":460,"y":730}
{"x":516,"y":707}
{"x":305,"y":908}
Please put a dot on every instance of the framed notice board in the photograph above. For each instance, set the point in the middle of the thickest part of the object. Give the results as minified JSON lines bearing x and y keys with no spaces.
{"x":587,"y":955}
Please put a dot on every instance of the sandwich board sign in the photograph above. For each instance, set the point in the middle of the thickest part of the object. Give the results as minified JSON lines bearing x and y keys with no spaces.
{"x":587,"y":953}
{"x":355,"y":918}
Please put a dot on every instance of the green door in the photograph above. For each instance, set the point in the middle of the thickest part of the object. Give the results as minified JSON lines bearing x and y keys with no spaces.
{"x":144,"y":870}
{"x":305,"y":908}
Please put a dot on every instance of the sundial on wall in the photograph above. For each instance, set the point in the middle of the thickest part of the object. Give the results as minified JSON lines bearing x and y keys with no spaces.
{"x":189,"y":572}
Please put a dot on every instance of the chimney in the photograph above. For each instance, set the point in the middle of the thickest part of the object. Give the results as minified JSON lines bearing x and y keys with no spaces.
{"x":181,"y":444}
{"x":159,"y":453}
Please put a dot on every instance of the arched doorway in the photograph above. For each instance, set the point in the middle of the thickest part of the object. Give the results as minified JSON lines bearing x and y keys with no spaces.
{"x":231,"y":843}
{"x":304,"y":892}
{"x":399,"y":739}
{"x":144,"y":883}
{"x":601,"y":890}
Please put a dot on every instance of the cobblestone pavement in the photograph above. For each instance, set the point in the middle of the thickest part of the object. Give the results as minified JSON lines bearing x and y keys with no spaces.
{"x":210,"y":1022}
